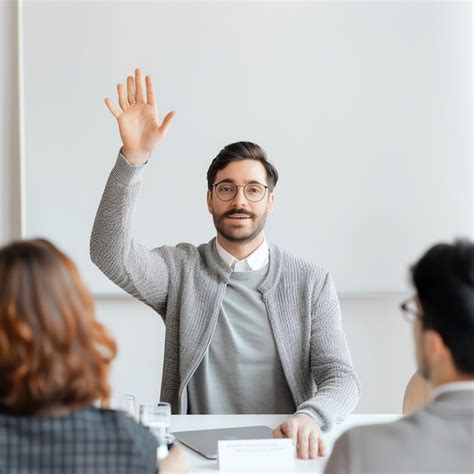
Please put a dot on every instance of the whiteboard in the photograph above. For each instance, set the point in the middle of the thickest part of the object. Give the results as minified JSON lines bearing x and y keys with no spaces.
{"x":364,"y":108}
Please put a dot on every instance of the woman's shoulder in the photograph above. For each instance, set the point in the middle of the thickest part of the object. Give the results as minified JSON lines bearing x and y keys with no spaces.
{"x":118,"y":422}
{"x":102,"y":436}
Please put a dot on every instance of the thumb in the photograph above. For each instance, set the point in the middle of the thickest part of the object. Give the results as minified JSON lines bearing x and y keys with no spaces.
{"x":166,"y":121}
{"x":277,"y":432}
{"x":285,"y":429}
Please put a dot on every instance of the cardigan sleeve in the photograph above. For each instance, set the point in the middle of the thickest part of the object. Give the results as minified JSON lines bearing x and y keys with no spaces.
{"x":338,"y":387}
{"x":139,"y":271}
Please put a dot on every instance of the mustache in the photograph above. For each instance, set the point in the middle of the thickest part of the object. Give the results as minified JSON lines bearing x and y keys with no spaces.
{"x":238,"y":211}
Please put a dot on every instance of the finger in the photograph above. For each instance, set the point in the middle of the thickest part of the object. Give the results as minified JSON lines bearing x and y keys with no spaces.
{"x":112,"y":108}
{"x":277,"y":433}
{"x":313,"y":445}
{"x":302,"y":444}
{"x":150,"y":91}
{"x":166,"y":122}
{"x":138,"y":86}
{"x":283,"y":428}
{"x":122,"y":99}
{"x":321,"y":447}
{"x":130,"y":90}
{"x":290,"y":430}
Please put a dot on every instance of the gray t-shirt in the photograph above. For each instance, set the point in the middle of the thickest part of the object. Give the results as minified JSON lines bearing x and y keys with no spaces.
{"x":241,"y":371}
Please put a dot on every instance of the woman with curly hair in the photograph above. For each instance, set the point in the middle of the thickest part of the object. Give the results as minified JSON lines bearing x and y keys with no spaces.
{"x":54,"y":364}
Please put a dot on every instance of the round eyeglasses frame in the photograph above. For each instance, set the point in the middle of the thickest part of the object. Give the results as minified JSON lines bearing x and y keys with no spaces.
{"x":237,"y":186}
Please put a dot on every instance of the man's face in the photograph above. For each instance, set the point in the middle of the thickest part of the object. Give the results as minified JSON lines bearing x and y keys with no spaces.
{"x":240,"y":220}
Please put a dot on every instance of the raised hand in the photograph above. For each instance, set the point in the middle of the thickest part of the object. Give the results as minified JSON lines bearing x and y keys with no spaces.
{"x":137,"y":119}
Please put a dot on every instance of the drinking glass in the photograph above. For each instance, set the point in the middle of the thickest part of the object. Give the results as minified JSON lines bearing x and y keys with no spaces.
{"x":126,"y":402}
{"x":157,"y":416}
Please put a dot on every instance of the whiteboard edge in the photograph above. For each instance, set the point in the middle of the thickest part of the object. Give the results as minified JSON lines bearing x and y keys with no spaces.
{"x":21,"y":119}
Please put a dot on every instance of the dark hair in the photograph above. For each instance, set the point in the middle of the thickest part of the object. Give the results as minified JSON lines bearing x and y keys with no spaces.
{"x":241,"y":151}
{"x":444,"y":280}
{"x":54,"y":354}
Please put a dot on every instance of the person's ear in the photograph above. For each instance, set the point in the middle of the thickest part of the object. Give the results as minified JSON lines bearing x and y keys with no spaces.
{"x":270,"y":203}
{"x":435,"y":347}
{"x":209,"y":201}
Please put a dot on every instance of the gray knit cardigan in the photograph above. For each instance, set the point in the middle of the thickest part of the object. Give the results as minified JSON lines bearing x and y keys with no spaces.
{"x":186,"y":285}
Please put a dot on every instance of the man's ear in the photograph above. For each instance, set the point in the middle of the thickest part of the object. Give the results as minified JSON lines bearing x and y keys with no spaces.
{"x":436,"y":349}
{"x":270,"y":203}
{"x":209,"y":201}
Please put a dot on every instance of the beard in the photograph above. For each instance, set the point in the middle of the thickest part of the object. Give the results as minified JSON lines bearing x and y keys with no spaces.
{"x":239,"y":231}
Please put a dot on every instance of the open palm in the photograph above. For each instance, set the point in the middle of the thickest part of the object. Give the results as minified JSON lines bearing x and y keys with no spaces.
{"x":137,"y":118}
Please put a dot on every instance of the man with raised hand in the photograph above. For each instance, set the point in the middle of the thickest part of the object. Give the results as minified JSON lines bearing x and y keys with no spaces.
{"x":249,"y":327}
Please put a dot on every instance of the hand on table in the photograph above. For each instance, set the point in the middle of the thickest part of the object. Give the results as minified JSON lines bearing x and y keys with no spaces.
{"x":305,"y":433}
{"x":174,"y":462}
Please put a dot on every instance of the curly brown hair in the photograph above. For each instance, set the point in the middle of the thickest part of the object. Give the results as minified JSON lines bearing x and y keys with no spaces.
{"x":54,"y":354}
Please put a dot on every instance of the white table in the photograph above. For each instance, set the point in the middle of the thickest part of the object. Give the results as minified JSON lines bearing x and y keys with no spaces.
{"x":198,"y":422}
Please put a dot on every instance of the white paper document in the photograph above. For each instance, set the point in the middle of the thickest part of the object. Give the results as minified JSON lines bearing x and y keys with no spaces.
{"x":257,"y":455}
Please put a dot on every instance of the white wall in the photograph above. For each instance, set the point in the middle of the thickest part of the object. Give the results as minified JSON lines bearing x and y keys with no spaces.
{"x":379,"y":339}
{"x":347,"y":98}
{"x":9,"y":121}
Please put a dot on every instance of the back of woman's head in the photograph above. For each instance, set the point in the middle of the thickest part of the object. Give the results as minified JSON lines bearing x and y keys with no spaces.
{"x":54,"y":355}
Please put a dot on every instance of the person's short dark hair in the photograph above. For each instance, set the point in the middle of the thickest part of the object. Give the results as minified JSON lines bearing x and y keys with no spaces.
{"x":241,"y":151}
{"x":444,"y":281}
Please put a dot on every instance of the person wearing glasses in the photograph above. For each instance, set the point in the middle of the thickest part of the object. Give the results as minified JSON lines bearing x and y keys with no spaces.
{"x":249,"y":327}
{"x":438,"y":437}
{"x":54,"y":365}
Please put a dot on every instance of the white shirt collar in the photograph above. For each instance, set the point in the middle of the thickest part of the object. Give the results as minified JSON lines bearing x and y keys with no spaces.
{"x":255,"y":261}
{"x":451,"y":387}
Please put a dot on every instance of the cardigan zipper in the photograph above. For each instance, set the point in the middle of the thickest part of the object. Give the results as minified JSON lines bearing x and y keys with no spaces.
{"x":278,"y":343}
{"x":188,"y":378}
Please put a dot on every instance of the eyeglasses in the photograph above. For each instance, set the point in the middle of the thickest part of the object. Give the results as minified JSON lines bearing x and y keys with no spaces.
{"x":226,"y":191}
{"x":410,"y":310}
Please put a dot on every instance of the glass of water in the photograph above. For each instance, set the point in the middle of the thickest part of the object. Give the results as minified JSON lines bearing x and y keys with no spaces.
{"x":157,"y":416}
{"x":126,"y":402}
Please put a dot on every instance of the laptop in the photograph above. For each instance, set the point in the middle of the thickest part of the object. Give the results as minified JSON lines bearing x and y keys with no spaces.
{"x":204,"y":442}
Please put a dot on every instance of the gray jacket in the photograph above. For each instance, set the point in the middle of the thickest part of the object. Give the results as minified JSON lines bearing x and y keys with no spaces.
{"x":186,"y":285}
{"x":438,"y":438}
